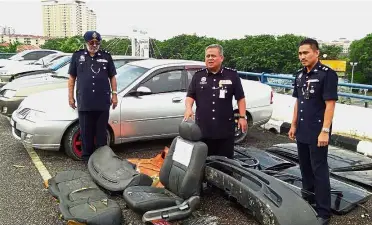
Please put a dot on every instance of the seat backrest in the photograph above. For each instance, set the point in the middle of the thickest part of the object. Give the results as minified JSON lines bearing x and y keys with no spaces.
{"x":183,"y":168}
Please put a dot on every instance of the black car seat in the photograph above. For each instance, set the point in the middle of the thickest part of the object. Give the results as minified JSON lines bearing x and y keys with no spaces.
{"x":181,"y":174}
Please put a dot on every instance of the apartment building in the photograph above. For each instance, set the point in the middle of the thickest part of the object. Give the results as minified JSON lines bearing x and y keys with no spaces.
{"x":23,"y":39}
{"x":343,"y":42}
{"x":67,"y":18}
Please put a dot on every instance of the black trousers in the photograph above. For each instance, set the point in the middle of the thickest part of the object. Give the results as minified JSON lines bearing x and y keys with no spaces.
{"x":93,"y":131}
{"x":220,"y":147}
{"x":315,"y":175}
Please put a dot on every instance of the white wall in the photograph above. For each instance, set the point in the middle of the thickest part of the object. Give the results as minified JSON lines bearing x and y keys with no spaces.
{"x":352,"y":121}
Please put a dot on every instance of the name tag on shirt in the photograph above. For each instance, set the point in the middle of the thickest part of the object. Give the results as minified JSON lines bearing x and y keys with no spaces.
{"x":102,"y":60}
{"x":222,"y":93}
{"x":313,"y":80}
{"x":225,"y":82}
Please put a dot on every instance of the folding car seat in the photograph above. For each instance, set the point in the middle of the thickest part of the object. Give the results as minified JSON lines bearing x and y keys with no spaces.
{"x":181,"y":174}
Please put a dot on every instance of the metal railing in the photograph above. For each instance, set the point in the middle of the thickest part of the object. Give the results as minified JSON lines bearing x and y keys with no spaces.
{"x":263,"y":78}
{"x":6,"y":55}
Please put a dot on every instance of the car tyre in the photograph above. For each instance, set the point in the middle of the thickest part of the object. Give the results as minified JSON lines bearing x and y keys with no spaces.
{"x":239,"y":136}
{"x":72,"y":142}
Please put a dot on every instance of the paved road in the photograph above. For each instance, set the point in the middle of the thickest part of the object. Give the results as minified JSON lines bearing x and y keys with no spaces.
{"x":23,"y":199}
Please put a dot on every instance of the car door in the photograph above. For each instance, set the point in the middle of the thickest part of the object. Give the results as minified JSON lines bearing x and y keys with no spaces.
{"x":157,"y":114}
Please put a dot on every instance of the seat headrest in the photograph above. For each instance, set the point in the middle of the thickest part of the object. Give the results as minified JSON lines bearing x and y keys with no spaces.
{"x":190,"y":131}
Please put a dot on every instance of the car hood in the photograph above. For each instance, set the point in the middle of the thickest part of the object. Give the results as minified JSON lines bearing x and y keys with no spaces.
{"x":54,"y":103}
{"x":6,"y":62}
{"x":17,"y":69}
{"x":19,"y":84}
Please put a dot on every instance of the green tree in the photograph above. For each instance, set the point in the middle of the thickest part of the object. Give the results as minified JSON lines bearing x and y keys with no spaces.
{"x":72,"y":44}
{"x":54,"y":44}
{"x":361,"y":52}
{"x":332,"y":52}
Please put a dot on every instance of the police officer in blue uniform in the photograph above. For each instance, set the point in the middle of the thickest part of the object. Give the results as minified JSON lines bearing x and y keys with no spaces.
{"x":212,"y":89}
{"x":94,"y":72}
{"x":315,"y":88}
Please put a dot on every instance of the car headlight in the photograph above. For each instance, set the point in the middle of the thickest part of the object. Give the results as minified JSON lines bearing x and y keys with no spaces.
{"x":35,"y":116}
{"x":9,"y":93}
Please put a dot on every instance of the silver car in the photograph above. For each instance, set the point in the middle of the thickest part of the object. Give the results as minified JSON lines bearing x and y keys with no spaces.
{"x":151,"y":96}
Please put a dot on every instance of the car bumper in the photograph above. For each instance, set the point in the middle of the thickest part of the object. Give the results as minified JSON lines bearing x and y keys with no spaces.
{"x":8,"y":106}
{"x":45,"y":135}
{"x":4,"y":79}
{"x":261,"y":115}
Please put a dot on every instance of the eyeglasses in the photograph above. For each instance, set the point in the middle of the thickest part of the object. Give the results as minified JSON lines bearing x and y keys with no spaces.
{"x":94,"y":42}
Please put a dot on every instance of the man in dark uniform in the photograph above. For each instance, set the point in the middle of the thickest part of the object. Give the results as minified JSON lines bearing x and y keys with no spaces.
{"x":315,"y":88}
{"x":94,"y":71}
{"x":212,"y":89}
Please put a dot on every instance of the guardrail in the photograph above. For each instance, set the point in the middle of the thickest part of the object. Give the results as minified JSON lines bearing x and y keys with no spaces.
{"x":6,"y":55}
{"x":263,"y":78}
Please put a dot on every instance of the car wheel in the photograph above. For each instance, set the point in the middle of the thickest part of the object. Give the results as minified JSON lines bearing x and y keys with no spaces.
{"x":73,"y":144}
{"x":239,"y":136}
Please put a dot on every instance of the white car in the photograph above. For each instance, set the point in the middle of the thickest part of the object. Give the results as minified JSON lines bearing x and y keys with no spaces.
{"x":151,"y":95}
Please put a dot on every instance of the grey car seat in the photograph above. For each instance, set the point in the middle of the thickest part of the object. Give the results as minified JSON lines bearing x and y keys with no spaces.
{"x":181,"y":174}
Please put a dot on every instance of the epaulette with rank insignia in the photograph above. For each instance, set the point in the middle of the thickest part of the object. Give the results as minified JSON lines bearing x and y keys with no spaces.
{"x":199,"y":70}
{"x":228,"y":68}
{"x":80,"y":50}
{"x":105,"y":51}
{"x":324,"y":67}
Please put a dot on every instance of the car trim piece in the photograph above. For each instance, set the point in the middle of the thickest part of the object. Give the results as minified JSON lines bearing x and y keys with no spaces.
{"x":154,"y":118}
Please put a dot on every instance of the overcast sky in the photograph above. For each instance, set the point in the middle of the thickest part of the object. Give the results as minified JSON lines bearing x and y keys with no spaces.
{"x":326,"y":20}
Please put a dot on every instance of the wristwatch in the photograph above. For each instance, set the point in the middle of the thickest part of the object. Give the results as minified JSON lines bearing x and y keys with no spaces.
{"x":114,"y":92}
{"x":326,"y":130}
{"x":241,"y":117}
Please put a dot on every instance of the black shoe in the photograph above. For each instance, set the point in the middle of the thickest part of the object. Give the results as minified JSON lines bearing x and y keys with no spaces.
{"x":323,"y":221}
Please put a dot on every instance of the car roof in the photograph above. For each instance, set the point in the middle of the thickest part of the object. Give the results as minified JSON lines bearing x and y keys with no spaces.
{"x":151,"y":63}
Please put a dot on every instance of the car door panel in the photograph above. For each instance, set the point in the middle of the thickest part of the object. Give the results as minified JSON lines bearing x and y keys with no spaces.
{"x":158,"y":114}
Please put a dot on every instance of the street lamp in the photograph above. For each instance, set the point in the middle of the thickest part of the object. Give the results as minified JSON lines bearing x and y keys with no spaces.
{"x":353,"y":64}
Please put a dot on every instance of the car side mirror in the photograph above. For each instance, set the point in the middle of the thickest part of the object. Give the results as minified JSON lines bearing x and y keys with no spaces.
{"x":143,"y":90}
{"x":140,"y":91}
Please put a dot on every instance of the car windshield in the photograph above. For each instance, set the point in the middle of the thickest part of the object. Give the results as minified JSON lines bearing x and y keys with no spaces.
{"x":63,"y":71}
{"x":18,"y":55}
{"x":45,"y":60}
{"x":127,"y":74}
{"x":58,"y":63}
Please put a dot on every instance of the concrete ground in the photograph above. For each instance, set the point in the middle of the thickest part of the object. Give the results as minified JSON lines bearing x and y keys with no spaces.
{"x":23,"y":199}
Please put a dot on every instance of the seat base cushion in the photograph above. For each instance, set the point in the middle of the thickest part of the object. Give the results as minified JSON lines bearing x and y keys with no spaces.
{"x":113,"y":173}
{"x":81,"y":200}
{"x":144,"y":198}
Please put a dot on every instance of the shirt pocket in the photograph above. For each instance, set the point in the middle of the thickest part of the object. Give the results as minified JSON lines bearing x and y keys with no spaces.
{"x":80,"y":66}
{"x":315,"y":88}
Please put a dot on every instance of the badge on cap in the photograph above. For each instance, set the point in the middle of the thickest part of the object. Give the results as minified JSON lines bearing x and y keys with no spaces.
{"x":94,"y":35}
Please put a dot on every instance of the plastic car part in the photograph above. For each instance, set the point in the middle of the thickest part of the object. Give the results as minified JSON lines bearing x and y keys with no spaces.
{"x":269,"y":200}
{"x":113,"y":173}
{"x":339,"y":160}
{"x":180,"y":211}
{"x":345,"y":197}
{"x":344,"y":164}
{"x":81,"y":200}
